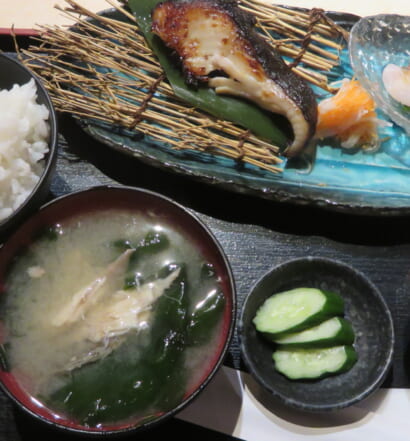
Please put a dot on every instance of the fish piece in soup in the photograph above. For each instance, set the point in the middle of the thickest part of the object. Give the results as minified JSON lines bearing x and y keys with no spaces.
{"x":82,"y":301}
{"x":107,"y":322}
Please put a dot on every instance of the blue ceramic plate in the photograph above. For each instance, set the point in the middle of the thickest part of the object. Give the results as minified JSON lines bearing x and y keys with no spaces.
{"x":355,"y":182}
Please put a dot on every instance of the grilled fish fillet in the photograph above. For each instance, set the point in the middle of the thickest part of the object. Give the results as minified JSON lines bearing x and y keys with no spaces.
{"x":216,"y":43}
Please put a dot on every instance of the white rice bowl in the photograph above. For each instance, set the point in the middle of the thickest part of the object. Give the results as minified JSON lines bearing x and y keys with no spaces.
{"x":24,"y":133}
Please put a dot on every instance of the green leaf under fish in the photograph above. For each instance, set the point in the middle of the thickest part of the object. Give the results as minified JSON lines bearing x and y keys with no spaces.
{"x":241,"y":112}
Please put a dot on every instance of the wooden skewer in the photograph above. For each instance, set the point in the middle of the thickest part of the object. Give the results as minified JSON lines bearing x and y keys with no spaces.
{"x":296,"y":16}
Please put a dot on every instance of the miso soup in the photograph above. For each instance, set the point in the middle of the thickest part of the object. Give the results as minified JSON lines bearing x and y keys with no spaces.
{"x":109,"y":316}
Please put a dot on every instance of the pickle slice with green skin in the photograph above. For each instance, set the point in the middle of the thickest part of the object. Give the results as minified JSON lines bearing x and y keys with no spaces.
{"x":296,"y":310}
{"x":298,"y":364}
{"x":332,"y":332}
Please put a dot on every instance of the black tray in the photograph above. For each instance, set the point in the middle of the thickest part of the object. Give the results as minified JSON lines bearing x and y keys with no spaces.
{"x":256,"y":235}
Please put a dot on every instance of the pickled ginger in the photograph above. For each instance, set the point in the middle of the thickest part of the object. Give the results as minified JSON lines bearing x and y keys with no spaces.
{"x":350,"y":116}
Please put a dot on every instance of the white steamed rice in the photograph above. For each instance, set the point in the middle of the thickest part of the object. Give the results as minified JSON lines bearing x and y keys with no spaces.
{"x":23,"y":143}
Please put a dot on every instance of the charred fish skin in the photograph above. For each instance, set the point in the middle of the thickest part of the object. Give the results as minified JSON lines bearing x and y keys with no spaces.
{"x":217,"y":43}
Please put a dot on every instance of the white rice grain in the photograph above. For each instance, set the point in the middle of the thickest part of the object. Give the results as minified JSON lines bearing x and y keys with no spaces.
{"x":24,"y":132}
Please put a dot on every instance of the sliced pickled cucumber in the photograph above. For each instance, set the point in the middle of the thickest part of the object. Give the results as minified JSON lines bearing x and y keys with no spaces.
{"x":332,"y":332}
{"x":299,"y":364}
{"x":296,"y":310}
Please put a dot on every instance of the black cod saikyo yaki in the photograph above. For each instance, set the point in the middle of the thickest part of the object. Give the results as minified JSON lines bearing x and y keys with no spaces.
{"x":217,"y":43}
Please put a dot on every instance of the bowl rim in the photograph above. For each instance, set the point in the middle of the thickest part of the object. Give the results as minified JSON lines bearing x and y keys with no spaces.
{"x":224,"y":348}
{"x":51,"y":155}
{"x":375,"y":384}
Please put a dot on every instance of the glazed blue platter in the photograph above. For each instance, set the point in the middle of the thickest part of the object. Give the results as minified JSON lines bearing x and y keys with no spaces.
{"x":356,"y":182}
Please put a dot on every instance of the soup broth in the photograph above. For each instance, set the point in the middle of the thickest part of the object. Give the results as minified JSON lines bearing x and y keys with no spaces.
{"x":111,"y":315}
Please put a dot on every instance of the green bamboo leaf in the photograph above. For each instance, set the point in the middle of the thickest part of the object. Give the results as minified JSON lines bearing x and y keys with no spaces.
{"x":241,"y":112}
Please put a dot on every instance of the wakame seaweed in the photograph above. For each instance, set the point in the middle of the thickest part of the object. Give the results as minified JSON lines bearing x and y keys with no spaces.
{"x":143,"y":374}
{"x":147,"y":373}
{"x":153,"y":242}
{"x":241,"y":112}
{"x":204,"y":318}
{"x":207,"y":313}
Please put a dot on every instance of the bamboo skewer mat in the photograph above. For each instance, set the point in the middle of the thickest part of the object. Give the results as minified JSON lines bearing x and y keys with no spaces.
{"x":104,"y":88}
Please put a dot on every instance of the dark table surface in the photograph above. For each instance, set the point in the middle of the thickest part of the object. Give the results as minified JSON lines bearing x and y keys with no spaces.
{"x":255,"y":234}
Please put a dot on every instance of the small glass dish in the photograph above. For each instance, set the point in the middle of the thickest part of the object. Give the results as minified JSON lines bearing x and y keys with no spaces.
{"x":375,"y":42}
